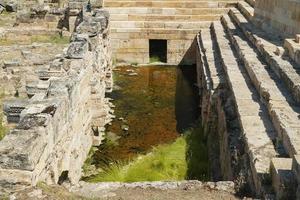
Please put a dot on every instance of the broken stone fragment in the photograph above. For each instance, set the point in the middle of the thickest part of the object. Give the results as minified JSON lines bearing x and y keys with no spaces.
{"x":24,"y":17}
{"x":125,"y":127}
{"x":89,"y":27}
{"x":1,"y":9}
{"x":11,"y":7}
{"x":30,"y":121}
{"x":77,"y":49}
{"x":12,"y":63}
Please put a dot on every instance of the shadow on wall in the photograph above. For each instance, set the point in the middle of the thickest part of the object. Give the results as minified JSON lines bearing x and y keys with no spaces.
{"x":189,"y":57}
{"x":198,"y":166}
{"x":187,"y":100}
{"x":187,"y":113}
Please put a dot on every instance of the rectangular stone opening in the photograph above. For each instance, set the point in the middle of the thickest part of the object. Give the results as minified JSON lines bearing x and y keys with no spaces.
{"x":158,"y":50}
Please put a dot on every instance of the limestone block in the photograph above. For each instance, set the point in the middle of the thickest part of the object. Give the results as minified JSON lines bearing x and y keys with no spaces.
{"x":283,"y":180}
{"x":11,"y":6}
{"x":16,"y":176}
{"x":27,"y":149}
{"x":298,"y":38}
{"x":77,"y":49}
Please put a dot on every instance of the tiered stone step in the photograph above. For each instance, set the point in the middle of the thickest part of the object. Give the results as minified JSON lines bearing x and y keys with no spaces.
{"x":161,"y":24}
{"x":296,"y":171}
{"x":251,"y":2}
{"x":158,"y":17}
{"x":134,"y":22}
{"x":211,"y":64}
{"x":256,"y":125}
{"x":270,"y":47}
{"x":166,"y":11}
{"x":292,"y":46}
{"x":283,"y":180}
{"x":286,"y":78}
{"x":276,"y":80}
{"x":168,"y":4}
{"x":246,"y":9}
{"x":282,"y":108}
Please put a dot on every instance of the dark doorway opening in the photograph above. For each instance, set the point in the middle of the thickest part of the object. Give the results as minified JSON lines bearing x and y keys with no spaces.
{"x":158,"y":51}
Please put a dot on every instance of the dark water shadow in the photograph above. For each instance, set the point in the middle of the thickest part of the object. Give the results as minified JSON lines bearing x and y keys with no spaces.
{"x":187,"y":100}
{"x":187,"y":111}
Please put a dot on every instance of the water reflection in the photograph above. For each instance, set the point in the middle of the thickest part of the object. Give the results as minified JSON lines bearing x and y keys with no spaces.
{"x":153,"y":104}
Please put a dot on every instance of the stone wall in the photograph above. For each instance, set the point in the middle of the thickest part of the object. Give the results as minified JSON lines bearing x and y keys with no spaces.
{"x":218,"y":114}
{"x":134,"y":23}
{"x":58,"y":125}
{"x":282,"y":15}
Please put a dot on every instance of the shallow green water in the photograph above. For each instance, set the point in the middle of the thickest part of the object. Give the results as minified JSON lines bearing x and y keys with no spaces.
{"x":153,"y":105}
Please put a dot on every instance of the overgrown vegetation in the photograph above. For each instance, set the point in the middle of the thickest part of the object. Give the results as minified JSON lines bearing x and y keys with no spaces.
{"x":186,"y":158}
{"x":54,"y":39}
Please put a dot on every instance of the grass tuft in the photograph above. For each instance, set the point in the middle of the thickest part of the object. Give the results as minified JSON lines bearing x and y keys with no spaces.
{"x":186,"y":158}
{"x":154,"y":59}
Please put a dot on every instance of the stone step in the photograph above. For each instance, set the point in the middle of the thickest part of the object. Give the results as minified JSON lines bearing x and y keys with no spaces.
{"x":296,"y":171}
{"x":158,"y":17}
{"x":153,"y":31}
{"x":160,"y":24}
{"x":210,"y":61}
{"x":164,"y":34}
{"x":267,"y":44}
{"x":246,"y":9}
{"x":170,"y":36}
{"x":258,"y":131}
{"x":282,"y":109}
{"x":251,"y":2}
{"x":292,"y":46}
{"x":169,"y":4}
{"x":167,"y":11}
{"x":283,"y":179}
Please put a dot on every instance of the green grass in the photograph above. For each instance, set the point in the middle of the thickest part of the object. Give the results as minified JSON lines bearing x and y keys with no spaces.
{"x":186,"y":158}
{"x":56,"y":39}
{"x":154,"y":59}
{"x":53,"y":39}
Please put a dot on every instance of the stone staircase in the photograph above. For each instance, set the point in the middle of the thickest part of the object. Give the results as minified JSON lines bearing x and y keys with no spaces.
{"x":134,"y":22}
{"x":264,"y":80}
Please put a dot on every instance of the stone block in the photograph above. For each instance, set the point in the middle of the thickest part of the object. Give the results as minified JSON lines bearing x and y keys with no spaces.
{"x":11,"y":6}
{"x":283,"y":179}
{"x":2,"y":8}
{"x":297,"y":38}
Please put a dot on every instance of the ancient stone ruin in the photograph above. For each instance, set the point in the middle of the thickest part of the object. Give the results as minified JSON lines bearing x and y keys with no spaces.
{"x":247,"y":55}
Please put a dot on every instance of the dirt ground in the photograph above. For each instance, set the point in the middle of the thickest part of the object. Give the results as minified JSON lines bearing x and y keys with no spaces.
{"x":131,"y":191}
